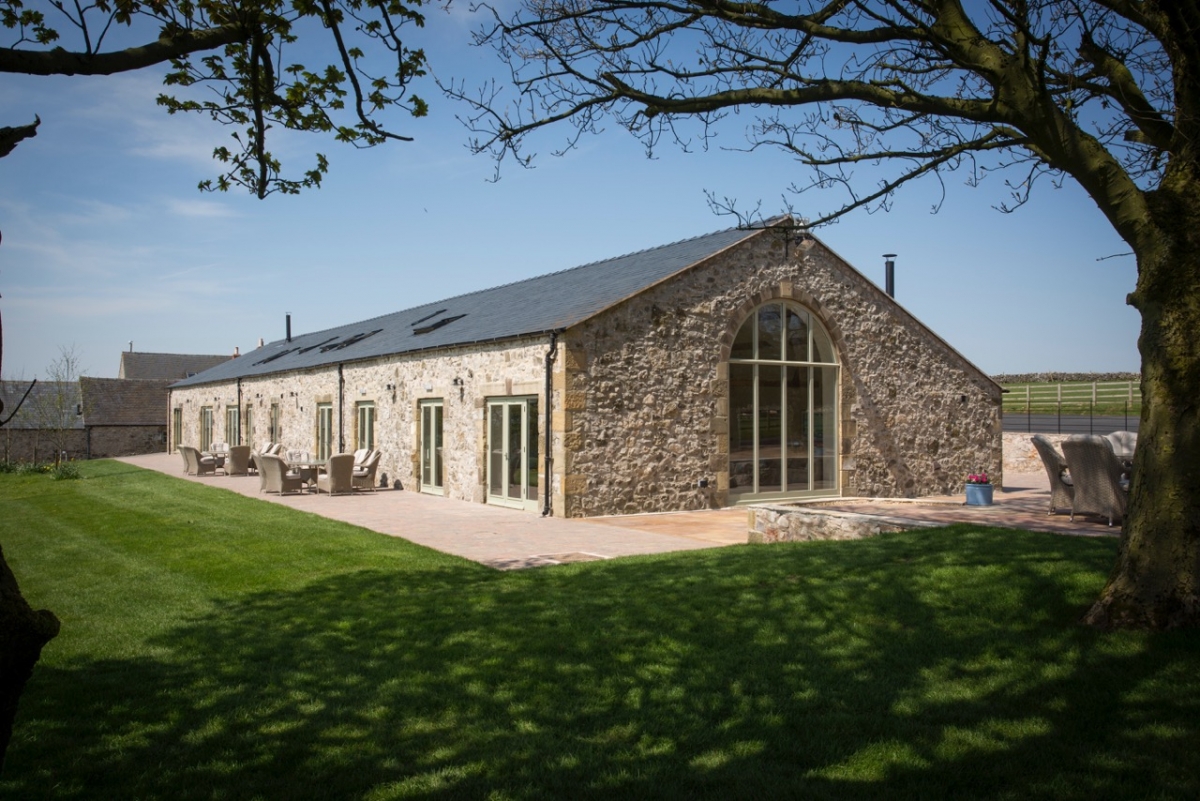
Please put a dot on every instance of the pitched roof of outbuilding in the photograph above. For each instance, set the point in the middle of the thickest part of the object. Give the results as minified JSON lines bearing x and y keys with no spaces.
{"x":124,"y":402}
{"x":49,"y":405}
{"x":534,"y":306}
{"x":173,"y":366}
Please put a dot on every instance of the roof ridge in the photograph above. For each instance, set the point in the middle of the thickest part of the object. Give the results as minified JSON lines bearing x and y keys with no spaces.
{"x":394,"y":314}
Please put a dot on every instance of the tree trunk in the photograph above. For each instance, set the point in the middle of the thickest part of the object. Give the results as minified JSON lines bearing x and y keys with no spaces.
{"x":23,"y":633}
{"x":1155,"y":583}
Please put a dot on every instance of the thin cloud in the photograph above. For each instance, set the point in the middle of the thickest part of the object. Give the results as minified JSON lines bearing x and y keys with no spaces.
{"x":200,"y":209}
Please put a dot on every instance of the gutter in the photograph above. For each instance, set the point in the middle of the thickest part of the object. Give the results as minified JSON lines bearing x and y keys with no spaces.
{"x":551,"y":355}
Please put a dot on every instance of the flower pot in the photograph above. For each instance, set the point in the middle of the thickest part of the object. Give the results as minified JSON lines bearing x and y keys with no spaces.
{"x":979,"y":494}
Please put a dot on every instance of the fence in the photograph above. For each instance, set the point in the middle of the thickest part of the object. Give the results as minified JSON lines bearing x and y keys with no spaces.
{"x":1082,"y":408}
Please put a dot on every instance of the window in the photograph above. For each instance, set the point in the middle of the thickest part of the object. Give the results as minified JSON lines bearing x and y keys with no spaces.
{"x":176,"y":427}
{"x":274,"y":429}
{"x":431,"y":447}
{"x":324,"y":430}
{"x":365,"y":434}
{"x":233,"y":425}
{"x":783,"y":379}
{"x":206,"y":427}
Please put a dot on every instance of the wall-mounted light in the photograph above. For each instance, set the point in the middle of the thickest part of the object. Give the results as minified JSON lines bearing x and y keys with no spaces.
{"x":458,"y":382}
{"x":392,"y":389}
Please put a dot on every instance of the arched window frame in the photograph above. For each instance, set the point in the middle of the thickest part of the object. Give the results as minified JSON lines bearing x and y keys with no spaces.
{"x":818,"y":455}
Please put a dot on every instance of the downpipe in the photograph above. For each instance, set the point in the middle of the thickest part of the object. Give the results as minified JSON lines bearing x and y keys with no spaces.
{"x":551,"y":355}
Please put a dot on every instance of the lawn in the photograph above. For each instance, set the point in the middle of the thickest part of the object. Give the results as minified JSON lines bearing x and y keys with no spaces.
{"x":217,"y":647}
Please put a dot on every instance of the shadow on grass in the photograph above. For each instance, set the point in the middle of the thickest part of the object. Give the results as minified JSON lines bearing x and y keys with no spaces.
{"x":943,"y":664}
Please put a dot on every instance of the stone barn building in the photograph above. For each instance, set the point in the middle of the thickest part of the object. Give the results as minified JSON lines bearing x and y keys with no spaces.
{"x":736,"y":367}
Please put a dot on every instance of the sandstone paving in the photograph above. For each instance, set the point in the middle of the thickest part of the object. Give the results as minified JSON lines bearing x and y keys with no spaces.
{"x":511,"y":539}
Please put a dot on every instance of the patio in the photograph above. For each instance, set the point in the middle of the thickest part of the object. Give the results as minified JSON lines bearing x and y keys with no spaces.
{"x":508,"y":539}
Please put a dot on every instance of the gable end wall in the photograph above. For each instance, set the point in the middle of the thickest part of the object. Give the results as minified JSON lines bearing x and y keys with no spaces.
{"x":646,"y":394}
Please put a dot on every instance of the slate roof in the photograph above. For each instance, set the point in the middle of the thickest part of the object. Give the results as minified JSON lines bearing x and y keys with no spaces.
{"x":124,"y":402}
{"x":42,"y":407}
{"x":165,"y":365}
{"x":534,"y":306}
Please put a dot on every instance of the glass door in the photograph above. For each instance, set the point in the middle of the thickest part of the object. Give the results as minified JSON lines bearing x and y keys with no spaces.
{"x":431,"y":447}
{"x":513,"y":453}
{"x":324,"y":430}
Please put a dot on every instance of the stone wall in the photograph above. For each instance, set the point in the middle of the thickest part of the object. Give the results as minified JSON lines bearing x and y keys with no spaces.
{"x":1021,"y":457}
{"x":1063,"y":378}
{"x":488,"y":371}
{"x":32,"y":445}
{"x":646,"y":396}
{"x":109,"y":441}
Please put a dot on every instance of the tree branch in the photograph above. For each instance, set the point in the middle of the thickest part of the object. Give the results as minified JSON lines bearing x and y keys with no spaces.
{"x":10,"y":136}
{"x":63,"y":62}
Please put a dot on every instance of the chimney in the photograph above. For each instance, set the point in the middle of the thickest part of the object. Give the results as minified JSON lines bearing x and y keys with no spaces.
{"x":236,"y":351}
{"x":289,"y":326}
{"x":131,"y":346}
{"x":260,"y":342}
{"x":889,"y":267}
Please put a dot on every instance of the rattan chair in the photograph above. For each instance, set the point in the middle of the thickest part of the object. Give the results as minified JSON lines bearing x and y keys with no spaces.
{"x":364,"y":474}
{"x":1124,"y":443}
{"x":1062,"y":490}
{"x":197,"y":463}
{"x":1096,"y":474}
{"x":274,"y":475}
{"x":237,"y":463}
{"x":338,"y":475}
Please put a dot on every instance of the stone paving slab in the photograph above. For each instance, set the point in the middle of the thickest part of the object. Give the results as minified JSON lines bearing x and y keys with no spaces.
{"x":510,"y":539}
{"x":492,"y":535}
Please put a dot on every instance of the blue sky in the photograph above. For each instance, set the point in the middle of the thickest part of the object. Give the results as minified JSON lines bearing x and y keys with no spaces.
{"x":106,"y":239}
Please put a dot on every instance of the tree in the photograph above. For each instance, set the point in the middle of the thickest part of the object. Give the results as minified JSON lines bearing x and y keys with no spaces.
{"x":58,"y":406}
{"x":23,"y":632}
{"x":242,"y":52}
{"x":1105,"y":92}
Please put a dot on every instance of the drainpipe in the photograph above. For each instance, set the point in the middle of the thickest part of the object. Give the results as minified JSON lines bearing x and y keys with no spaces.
{"x":239,"y":387}
{"x":341,"y":403}
{"x":551,"y":355}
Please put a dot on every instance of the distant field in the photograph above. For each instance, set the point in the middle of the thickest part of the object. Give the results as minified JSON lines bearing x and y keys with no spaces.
{"x":1074,"y":398}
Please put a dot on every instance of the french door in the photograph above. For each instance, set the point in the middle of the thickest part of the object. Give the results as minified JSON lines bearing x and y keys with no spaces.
{"x":513,"y":452}
{"x":324,"y":430}
{"x":431,"y":447}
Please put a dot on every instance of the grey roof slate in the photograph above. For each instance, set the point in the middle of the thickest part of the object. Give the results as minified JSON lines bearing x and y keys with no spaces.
{"x":124,"y":402}
{"x":173,"y":366}
{"x":50,"y":404}
{"x":538,"y":305}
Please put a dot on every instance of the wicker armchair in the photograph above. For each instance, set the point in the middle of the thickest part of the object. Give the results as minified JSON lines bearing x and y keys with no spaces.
{"x":1062,"y":491}
{"x":338,"y":475}
{"x":197,"y":463}
{"x":274,"y":475}
{"x":364,"y":474}
{"x":237,"y":463}
{"x":1124,"y":443}
{"x":1096,"y":473}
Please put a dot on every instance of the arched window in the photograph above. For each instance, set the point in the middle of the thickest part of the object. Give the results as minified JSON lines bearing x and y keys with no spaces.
{"x":783,"y":396}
